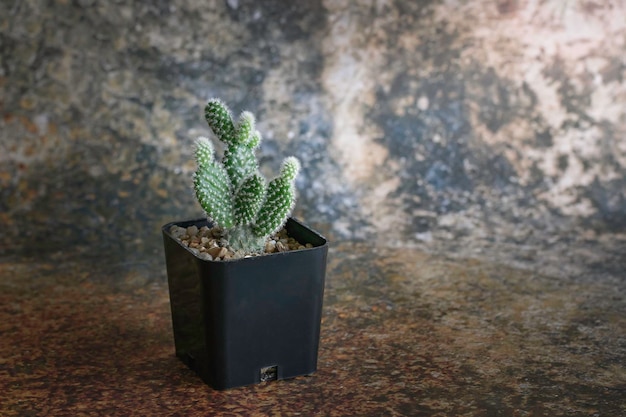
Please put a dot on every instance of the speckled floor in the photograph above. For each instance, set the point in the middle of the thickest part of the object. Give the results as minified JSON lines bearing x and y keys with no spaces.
{"x":403,"y":333}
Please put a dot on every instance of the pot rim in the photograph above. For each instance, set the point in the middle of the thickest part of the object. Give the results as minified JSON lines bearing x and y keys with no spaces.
{"x":166,"y":230}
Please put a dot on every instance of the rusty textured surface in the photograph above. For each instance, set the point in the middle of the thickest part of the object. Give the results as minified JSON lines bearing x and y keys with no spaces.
{"x":403,"y":333}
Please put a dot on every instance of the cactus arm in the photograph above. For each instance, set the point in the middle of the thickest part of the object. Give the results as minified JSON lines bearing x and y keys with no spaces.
{"x":279,"y":201}
{"x":220,"y":120}
{"x":212,"y":185}
{"x":255,"y":140}
{"x":245,"y":128}
{"x":248,"y":199}
{"x":240,"y":162}
{"x":239,"y":158}
{"x":290,"y":168}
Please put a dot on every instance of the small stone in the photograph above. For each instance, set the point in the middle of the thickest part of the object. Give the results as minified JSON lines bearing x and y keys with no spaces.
{"x":300,"y":247}
{"x":217,"y":252}
{"x":270,"y":246}
{"x":308,"y":246}
{"x":177,"y":232}
{"x":206,"y":256}
{"x":192,"y":231}
{"x":204,"y":240}
{"x":281,"y":247}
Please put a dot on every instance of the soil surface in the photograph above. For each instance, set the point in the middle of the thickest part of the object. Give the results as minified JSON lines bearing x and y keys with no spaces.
{"x":210,"y":243}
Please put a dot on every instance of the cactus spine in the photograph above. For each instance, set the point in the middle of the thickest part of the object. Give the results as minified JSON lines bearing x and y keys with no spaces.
{"x":233,"y":193}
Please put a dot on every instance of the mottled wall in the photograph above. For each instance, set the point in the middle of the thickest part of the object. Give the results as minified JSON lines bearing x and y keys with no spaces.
{"x":450,"y":124}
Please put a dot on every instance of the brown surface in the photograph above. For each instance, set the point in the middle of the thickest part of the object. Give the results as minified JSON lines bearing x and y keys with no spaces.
{"x":403,"y":333}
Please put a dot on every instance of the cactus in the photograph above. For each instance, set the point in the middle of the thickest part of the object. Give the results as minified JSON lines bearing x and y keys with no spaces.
{"x":233,"y":193}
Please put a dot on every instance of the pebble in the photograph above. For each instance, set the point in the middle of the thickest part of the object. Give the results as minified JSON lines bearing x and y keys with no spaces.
{"x":178,"y":232}
{"x":192,"y":231}
{"x":217,"y":252}
{"x":270,"y":246}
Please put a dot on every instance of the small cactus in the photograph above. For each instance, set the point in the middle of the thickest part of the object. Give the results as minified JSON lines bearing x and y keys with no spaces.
{"x":233,"y":193}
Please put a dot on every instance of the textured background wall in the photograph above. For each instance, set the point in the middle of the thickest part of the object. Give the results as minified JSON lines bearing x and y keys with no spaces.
{"x":486,"y":126}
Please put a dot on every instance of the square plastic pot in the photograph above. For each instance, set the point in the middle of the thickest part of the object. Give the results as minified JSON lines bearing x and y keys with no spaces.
{"x":245,"y":321}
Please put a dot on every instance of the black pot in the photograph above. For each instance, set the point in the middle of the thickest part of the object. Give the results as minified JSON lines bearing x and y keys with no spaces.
{"x":244,"y":321}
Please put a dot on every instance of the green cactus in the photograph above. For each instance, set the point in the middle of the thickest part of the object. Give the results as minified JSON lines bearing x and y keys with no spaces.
{"x":233,"y":193}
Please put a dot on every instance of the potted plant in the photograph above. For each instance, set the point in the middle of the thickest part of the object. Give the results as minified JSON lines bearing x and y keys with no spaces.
{"x":246,"y":283}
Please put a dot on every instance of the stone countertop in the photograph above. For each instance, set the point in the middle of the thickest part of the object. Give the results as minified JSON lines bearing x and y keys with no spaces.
{"x":404,"y":332}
